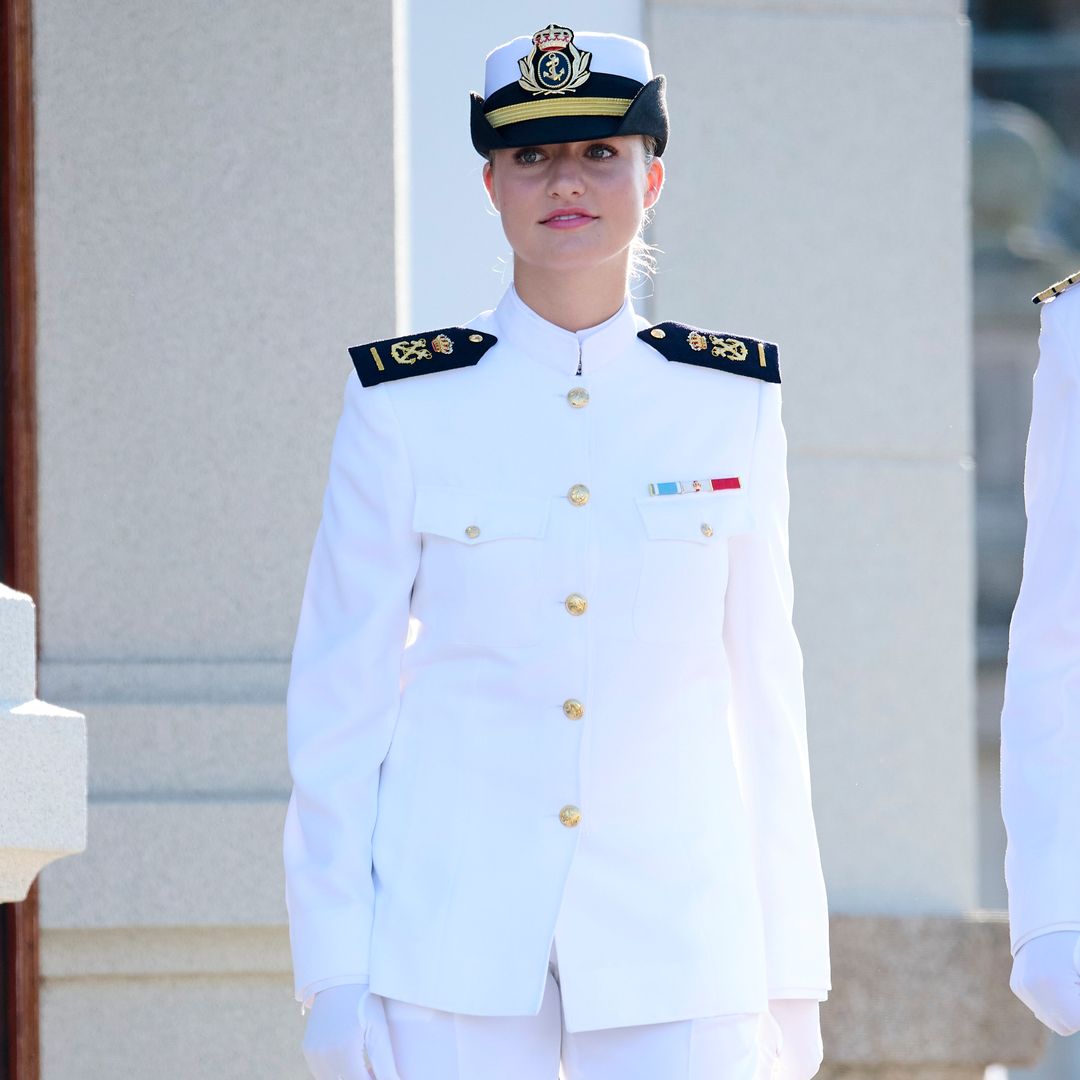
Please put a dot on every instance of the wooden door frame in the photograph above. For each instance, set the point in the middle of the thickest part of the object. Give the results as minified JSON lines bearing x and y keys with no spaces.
{"x":19,"y":1035}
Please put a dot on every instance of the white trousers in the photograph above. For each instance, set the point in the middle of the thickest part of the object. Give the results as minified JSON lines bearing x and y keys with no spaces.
{"x":433,"y":1045}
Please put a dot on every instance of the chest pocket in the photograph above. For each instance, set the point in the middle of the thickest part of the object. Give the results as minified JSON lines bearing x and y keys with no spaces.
{"x":684,"y":567}
{"x":481,"y":565}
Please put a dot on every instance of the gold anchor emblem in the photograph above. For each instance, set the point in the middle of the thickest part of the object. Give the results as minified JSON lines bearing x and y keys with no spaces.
{"x":408,"y":352}
{"x":728,"y":348}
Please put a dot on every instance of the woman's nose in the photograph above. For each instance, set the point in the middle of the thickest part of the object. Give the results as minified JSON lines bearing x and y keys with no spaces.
{"x":566,"y":178}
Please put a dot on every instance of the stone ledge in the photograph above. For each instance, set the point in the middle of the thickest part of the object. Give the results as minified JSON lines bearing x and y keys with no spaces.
{"x":854,"y":9}
{"x":166,"y":952}
{"x":923,"y":998}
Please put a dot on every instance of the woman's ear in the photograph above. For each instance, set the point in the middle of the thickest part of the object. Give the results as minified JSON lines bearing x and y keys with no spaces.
{"x":654,"y":182}
{"x":489,"y":185}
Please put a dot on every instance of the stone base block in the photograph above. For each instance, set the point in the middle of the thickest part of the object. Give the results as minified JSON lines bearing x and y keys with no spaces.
{"x":923,"y":998}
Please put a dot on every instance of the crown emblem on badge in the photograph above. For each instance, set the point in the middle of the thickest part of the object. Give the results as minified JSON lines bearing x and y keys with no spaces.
{"x":553,"y":37}
{"x":555,"y":65}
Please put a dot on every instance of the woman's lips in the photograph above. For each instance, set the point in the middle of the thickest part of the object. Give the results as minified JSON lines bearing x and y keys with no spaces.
{"x":568,"y":219}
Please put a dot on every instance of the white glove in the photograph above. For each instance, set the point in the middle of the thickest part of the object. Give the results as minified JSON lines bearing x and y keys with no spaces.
{"x":1045,"y":979}
{"x":347,"y":1037}
{"x":799,"y":1021}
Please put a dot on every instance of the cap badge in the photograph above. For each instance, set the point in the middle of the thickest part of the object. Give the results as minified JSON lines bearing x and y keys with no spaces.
{"x":555,"y":65}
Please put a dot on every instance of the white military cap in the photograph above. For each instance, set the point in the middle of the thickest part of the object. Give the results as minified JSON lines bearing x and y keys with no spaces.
{"x":562,"y":86}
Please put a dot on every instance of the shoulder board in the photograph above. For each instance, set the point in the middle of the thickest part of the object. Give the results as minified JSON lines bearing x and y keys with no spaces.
{"x":1056,"y":289}
{"x":419,"y":354}
{"x":723,"y":352}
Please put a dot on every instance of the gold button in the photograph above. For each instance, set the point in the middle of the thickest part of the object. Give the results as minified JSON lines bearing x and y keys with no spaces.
{"x":574,"y":709}
{"x":472,"y":532}
{"x":657,"y":332}
{"x":706,"y":529}
{"x":570,"y":816}
{"x":476,"y":338}
{"x":578,"y":494}
{"x":578,"y":397}
{"x":576,"y":604}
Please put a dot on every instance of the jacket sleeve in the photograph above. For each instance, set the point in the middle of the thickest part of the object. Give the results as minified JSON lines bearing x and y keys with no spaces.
{"x":344,"y":688}
{"x":1040,"y":722}
{"x":769,"y":724}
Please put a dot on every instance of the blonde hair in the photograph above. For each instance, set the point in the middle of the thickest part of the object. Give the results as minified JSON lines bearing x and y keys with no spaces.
{"x":642,"y":253}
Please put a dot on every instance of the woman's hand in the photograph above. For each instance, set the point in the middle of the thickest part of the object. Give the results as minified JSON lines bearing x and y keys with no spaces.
{"x":1045,"y":979}
{"x":347,"y":1037}
{"x":799,"y":1021}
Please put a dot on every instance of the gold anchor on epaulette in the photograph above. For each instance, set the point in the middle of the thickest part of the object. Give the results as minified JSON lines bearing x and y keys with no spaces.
{"x":408,"y":352}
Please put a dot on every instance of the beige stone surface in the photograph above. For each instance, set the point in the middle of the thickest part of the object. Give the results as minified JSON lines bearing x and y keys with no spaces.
{"x":794,"y":211}
{"x":214,"y":227}
{"x":181,"y":1028}
{"x":885,"y":624}
{"x":177,"y":862}
{"x":197,"y":750}
{"x":926,"y":994}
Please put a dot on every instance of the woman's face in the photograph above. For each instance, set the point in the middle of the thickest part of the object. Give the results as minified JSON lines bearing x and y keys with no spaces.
{"x":575,"y":205}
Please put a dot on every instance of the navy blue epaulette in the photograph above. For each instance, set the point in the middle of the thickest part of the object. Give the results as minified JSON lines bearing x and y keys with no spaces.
{"x":1056,"y":289}
{"x":419,"y":354}
{"x":723,"y":352}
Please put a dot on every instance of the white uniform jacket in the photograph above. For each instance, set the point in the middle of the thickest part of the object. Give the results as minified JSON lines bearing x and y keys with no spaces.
{"x":1040,"y":723}
{"x":430,"y":841}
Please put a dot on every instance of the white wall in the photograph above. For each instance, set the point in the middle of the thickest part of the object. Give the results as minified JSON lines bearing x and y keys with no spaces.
{"x":215,"y":226}
{"x":818,"y":196}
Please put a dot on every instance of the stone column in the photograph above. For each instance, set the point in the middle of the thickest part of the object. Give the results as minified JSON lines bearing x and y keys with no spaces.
{"x":42,"y":761}
{"x":817,"y":196}
{"x":216,"y":225}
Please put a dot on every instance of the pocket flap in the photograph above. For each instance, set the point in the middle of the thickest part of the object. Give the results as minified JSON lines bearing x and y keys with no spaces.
{"x":700,"y":518}
{"x":474,"y":517}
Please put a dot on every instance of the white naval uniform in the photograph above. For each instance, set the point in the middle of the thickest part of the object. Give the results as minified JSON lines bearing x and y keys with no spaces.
{"x":424,"y":845}
{"x":1040,"y":723}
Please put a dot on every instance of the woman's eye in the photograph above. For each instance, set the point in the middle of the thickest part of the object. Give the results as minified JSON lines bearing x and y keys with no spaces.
{"x":528,"y":156}
{"x":601,"y":150}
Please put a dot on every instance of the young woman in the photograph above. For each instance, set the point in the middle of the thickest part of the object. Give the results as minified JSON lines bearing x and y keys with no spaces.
{"x":546,"y":728}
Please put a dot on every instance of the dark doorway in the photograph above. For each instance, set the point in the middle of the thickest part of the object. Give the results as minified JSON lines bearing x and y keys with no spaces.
{"x":19,"y":1045}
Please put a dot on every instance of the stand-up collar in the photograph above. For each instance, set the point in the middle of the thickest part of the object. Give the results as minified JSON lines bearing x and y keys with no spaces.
{"x":595,"y":347}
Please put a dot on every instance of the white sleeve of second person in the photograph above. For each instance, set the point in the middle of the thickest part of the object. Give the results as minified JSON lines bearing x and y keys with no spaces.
{"x":769,"y":716}
{"x":1040,"y":721}
{"x":344,"y":688}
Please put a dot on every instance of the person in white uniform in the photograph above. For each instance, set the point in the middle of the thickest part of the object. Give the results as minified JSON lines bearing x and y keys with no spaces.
{"x":551,"y":803}
{"x":1040,"y":721}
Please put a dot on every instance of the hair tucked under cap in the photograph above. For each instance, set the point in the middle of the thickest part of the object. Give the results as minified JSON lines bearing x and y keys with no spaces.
{"x":559,"y":86}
